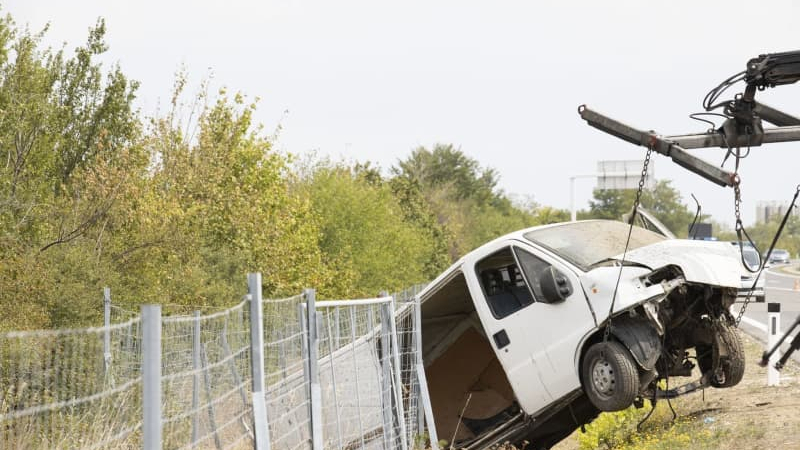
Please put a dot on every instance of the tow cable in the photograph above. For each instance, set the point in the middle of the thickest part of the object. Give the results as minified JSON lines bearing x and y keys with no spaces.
{"x":763,"y":264}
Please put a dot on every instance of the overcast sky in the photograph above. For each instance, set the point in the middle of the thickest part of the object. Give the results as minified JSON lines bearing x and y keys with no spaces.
{"x":371,"y":80}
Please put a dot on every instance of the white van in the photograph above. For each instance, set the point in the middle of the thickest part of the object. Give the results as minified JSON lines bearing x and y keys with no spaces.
{"x":526,"y":336}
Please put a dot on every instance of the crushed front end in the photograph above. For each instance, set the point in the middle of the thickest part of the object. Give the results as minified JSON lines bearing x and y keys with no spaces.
{"x":688,"y":326}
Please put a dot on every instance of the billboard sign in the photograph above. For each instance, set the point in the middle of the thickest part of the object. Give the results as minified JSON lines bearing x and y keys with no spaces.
{"x":623,"y":174}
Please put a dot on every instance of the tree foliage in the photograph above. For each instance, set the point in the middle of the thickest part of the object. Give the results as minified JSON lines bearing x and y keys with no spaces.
{"x":175,"y":209}
{"x":763,"y":234}
{"x":66,"y":137}
{"x":663,"y":201}
{"x":464,"y":197}
{"x":366,"y":236}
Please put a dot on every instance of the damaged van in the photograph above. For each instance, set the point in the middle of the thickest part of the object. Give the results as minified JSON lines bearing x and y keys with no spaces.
{"x":533,"y":334}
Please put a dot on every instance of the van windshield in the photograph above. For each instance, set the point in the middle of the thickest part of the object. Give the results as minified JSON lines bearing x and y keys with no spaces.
{"x":589,"y":242}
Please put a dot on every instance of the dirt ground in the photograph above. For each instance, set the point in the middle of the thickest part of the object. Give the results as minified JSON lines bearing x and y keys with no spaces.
{"x":747,"y":416}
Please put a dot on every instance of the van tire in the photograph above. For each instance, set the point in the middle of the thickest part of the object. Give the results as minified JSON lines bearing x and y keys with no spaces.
{"x":733,"y":365}
{"x":610,"y":377}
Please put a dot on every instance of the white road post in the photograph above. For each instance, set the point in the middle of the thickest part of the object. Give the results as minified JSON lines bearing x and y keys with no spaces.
{"x":773,"y":335}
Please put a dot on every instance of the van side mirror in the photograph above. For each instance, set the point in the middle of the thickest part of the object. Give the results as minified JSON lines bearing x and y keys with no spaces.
{"x":555,"y":285}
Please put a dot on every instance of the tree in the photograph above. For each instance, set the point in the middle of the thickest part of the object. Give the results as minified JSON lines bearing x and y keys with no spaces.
{"x":175,"y":209}
{"x":65,"y":134}
{"x":763,"y":233}
{"x":365,"y":235}
{"x":446,"y":166}
{"x":463,"y":195}
{"x":663,"y":201}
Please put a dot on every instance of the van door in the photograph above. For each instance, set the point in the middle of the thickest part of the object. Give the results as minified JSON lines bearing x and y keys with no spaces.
{"x":536,"y":341}
{"x":504,"y":310}
{"x":556,"y":327}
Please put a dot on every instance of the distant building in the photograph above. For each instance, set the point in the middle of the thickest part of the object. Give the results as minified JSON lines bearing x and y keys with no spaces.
{"x":767,"y":211}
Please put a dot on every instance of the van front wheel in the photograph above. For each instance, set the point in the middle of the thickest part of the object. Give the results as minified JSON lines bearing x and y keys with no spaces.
{"x":609,"y":374}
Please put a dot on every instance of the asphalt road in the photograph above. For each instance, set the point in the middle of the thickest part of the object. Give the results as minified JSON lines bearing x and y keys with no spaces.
{"x":781,"y":287}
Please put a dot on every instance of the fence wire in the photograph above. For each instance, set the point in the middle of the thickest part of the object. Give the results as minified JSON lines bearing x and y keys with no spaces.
{"x":285,"y":362}
{"x":409,"y":346}
{"x":82,"y":389}
{"x":59,"y":391}
{"x":356,"y":390}
{"x":206,"y":380}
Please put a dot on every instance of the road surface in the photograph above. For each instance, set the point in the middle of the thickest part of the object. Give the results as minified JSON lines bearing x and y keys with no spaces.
{"x":781,"y":287}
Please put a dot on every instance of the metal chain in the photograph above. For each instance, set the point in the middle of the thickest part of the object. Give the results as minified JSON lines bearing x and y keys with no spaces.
{"x":642,"y":179}
{"x":774,"y":240}
{"x":739,"y":227}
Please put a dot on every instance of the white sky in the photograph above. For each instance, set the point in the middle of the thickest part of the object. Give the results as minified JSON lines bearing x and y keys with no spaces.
{"x":370,"y":80}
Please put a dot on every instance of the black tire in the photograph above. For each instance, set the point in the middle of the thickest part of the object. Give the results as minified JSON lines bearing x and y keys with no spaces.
{"x":732,"y":365}
{"x":610,"y":377}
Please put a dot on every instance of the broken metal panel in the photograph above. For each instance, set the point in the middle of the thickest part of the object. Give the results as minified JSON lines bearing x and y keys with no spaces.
{"x":705,"y":262}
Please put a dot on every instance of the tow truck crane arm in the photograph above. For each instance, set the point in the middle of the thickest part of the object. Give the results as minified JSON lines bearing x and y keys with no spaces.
{"x":773,"y":69}
{"x":743,"y":127}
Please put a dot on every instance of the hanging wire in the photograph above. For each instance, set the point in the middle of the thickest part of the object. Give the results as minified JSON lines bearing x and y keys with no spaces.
{"x":714,"y":94}
{"x":698,"y":117}
{"x":763,"y":264}
{"x":692,"y":231}
{"x":649,"y":413}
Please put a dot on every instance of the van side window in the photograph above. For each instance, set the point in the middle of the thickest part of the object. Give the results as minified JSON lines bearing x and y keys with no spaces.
{"x":503,"y":283}
{"x":532,"y":268}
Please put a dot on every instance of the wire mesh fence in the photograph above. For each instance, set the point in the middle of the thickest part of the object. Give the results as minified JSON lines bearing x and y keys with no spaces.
{"x":286,"y":358}
{"x":355,"y":368}
{"x":409,"y":349}
{"x":85,"y":388}
{"x":206,"y":380}
{"x":59,"y":392}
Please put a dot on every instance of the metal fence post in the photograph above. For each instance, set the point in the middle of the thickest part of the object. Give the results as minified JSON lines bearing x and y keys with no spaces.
{"x":151,"y":376}
{"x":317,"y":438}
{"x":302,"y":317}
{"x":107,"y":331}
{"x":260,"y":424}
{"x":386,"y":377}
{"x":398,"y":384}
{"x":426,"y":411}
{"x":416,"y":341}
{"x":196,"y":378}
